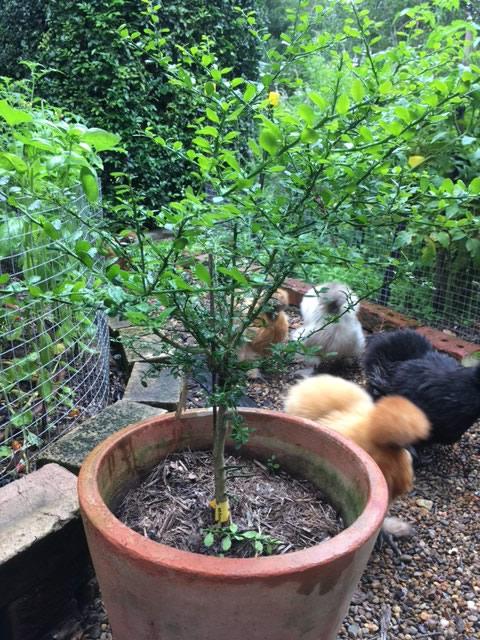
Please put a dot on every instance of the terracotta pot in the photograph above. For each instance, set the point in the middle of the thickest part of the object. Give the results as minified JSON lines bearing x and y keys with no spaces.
{"x":155,"y":592}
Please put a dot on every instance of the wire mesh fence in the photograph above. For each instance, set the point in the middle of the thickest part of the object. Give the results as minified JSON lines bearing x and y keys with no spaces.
{"x":54,"y":359}
{"x":441,"y":290}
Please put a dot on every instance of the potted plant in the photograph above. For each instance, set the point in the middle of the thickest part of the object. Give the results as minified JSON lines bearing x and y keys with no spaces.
{"x":269,"y":177}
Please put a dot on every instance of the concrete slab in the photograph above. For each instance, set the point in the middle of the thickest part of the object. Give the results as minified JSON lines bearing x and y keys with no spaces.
{"x":44,"y":560}
{"x":155,"y":387}
{"x":115,"y":324}
{"x":141,"y":346}
{"x":34,"y":507}
{"x":70,"y":450}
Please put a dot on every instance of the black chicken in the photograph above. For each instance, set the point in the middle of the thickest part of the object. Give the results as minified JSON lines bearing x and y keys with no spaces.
{"x":405,"y":363}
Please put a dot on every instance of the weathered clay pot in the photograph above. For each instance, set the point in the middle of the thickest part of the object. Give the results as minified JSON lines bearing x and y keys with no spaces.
{"x":155,"y":592}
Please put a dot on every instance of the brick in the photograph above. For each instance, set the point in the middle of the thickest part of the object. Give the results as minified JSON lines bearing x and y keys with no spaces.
{"x":296,"y":290}
{"x":71,"y":449}
{"x":450,"y":344}
{"x":162,"y":388}
{"x":43,"y":553}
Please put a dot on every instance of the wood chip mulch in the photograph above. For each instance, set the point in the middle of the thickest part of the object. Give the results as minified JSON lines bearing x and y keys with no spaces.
{"x":171,"y":505}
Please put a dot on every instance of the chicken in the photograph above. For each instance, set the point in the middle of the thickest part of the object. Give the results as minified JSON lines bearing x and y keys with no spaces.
{"x":404,"y":363}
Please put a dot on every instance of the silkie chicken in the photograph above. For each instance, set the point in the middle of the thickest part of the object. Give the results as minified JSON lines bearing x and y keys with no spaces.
{"x":383,"y":430}
{"x":270,"y":327}
{"x":404,"y":363}
{"x":343,"y":338}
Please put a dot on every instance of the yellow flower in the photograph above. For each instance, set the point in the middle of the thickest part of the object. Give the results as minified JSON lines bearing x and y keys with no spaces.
{"x":414,"y":161}
{"x":274,"y":98}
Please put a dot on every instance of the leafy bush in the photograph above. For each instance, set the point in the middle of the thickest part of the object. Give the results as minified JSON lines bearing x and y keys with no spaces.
{"x":104,"y":79}
{"x":48,"y":172}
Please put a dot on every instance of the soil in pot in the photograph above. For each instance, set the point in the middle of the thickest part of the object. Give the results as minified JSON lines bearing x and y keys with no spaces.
{"x":273,"y":512}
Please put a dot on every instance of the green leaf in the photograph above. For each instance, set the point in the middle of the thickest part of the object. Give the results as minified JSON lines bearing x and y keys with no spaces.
{"x":249,"y":92}
{"x":317,"y":99}
{"x":226,"y":543}
{"x":209,"y":88}
{"x":208,"y":131}
{"x":235,"y":274}
{"x":343,"y":105}
{"x":11,"y":161}
{"x":5,"y":452}
{"x":100,"y":139}
{"x":474,"y":186}
{"x":357,"y":90}
{"x":12,"y":115}
{"x":258,"y":546}
{"x":473,"y":246}
{"x":268,"y":141}
{"x":88,"y":178}
{"x":442,"y":238}
{"x":403,"y":113}
{"x":209,"y":539}
{"x":307,"y":114}
{"x":113,"y":271}
{"x":365,"y":133}
{"x":309,"y":135}
{"x":212,"y":116}
{"x":202,"y":273}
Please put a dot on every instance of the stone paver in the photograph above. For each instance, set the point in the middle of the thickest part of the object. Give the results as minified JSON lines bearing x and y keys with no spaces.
{"x":71,"y":449}
{"x":50,"y":494}
{"x":44,"y":560}
{"x":155,"y":387}
{"x":141,"y":346}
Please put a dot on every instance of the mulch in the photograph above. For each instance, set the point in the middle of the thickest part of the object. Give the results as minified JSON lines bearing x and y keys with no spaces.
{"x":172,"y":506}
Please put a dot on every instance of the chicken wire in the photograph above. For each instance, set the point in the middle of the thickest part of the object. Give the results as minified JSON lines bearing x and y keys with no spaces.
{"x":443,"y":293}
{"x":54,"y":359}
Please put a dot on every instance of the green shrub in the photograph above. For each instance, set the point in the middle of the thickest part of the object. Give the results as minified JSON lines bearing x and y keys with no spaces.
{"x":105,"y":80}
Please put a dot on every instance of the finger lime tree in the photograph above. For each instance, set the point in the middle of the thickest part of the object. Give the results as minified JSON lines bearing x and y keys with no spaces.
{"x":313,"y":160}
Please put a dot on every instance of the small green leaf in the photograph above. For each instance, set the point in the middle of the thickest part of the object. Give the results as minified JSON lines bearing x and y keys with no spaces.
{"x":209,"y":539}
{"x":5,"y":452}
{"x":343,"y":105}
{"x":357,"y":90}
{"x":249,"y":92}
{"x":12,"y":115}
{"x":11,"y":161}
{"x":317,"y":99}
{"x":307,"y":114}
{"x":474,"y":186}
{"x":89,"y":181}
{"x":212,"y":116}
{"x":235,"y":274}
{"x":309,"y":135}
{"x":202,"y":273}
{"x":365,"y":133}
{"x":268,"y":141}
{"x":258,"y":546}
{"x":473,"y":246}
{"x":100,"y":139}
{"x":226,"y":543}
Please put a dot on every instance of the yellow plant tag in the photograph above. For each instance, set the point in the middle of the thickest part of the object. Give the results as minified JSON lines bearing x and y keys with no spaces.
{"x":222,"y":510}
{"x":414,"y":161}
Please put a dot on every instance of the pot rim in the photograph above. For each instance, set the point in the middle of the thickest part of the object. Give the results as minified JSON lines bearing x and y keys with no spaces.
{"x":128,"y":543}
